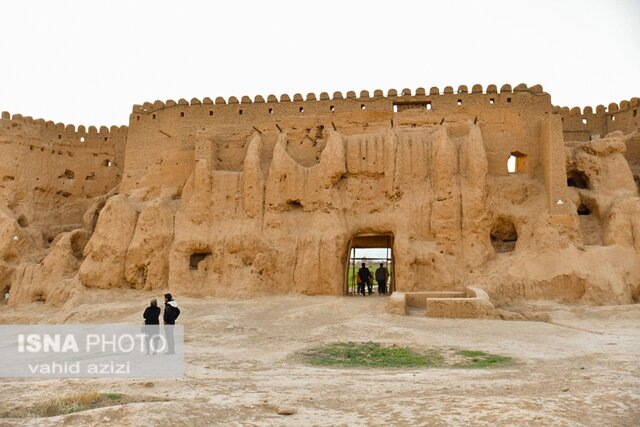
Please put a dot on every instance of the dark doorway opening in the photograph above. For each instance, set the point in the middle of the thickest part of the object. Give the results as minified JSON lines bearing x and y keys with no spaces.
{"x":373,"y":250}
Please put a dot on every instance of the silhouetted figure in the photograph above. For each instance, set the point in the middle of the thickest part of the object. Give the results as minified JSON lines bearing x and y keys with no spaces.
{"x":382,"y":274}
{"x":171,"y":313}
{"x":365,"y":278}
{"x":152,"y":326}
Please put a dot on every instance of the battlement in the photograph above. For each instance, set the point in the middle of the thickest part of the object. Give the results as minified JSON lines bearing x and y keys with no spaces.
{"x":351,"y":101}
{"x":59,"y":132}
{"x":585,"y":124}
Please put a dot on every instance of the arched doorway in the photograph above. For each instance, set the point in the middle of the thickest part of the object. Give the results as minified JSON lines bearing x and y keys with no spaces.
{"x":373,"y":250}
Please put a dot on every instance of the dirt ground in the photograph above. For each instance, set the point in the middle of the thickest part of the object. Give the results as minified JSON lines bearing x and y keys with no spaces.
{"x":242,"y":366}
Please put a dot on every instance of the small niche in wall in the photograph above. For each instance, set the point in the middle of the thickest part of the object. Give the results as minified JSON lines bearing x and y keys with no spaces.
{"x":181,"y":113}
{"x":196,"y":259}
{"x":211,"y":112}
{"x":107,"y":163}
{"x":503,"y":235}
{"x":577,"y":179}
{"x":240,"y":112}
{"x":508,"y":100}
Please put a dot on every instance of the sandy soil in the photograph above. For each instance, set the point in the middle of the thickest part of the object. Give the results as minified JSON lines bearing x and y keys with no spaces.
{"x":242,"y":368}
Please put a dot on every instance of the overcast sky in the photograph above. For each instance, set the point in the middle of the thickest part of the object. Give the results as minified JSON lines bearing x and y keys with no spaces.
{"x":87,"y":62}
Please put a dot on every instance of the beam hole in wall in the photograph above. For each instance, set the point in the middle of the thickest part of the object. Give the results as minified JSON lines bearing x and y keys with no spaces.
{"x":294,"y":204}
{"x":107,"y":163}
{"x":503,"y":235}
{"x":240,"y":112}
{"x":67,"y":174}
{"x":578,"y":179}
{"x":22,"y":221}
{"x":181,"y":113}
{"x":583,"y":209}
{"x":153,"y":116}
{"x":373,"y":250}
{"x":197,"y":259}
{"x":508,"y":100}
{"x":39,"y":297}
{"x":106,"y":138}
{"x":517,"y":162}
{"x":211,"y":112}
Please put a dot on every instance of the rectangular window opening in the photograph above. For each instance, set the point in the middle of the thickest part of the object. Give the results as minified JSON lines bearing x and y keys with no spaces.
{"x":395,"y":108}
{"x":240,"y":112}
{"x":492,"y":101}
{"x":362,"y":107}
{"x":270,"y":110}
{"x":459,"y":102}
{"x":584,"y":121}
{"x":332,"y":108}
{"x":613,"y":118}
{"x":302,"y":109}
{"x":428,"y":105}
{"x":153,"y":116}
{"x":509,"y":100}
{"x":210,"y":112}
{"x":181,"y":113}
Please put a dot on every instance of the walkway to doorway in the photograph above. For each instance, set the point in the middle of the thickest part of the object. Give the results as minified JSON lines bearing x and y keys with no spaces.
{"x":372,"y":249}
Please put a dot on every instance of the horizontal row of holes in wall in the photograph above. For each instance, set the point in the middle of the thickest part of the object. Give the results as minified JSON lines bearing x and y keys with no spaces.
{"x":613,"y":117}
{"x":396,"y":107}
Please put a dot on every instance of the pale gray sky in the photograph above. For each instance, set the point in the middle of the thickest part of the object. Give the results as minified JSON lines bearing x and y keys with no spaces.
{"x":87,"y":62}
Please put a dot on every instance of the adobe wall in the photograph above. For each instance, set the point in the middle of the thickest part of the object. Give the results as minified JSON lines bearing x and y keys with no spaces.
{"x":50,"y":172}
{"x":586,"y":124}
{"x":250,"y":197}
{"x":510,"y":119}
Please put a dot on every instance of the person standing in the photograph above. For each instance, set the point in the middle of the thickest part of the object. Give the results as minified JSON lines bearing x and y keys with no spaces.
{"x":365,"y":278}
{"x":171,"y":313}
{"x":382,"y":274}
{"x":151,"y":326}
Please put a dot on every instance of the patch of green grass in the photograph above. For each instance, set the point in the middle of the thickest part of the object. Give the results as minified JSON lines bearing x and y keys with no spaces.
{"x":376,"y":355}
{"x":370,"y":355}
{"x":114,"y":396}
{"x":481,"y":359}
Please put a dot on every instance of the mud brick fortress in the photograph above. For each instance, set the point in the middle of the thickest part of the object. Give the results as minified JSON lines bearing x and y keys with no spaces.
{"x":247,"y":197}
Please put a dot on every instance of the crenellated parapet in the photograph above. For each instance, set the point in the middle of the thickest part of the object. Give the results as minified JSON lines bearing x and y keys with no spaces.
{"x":61,"y":133}
{"x":393,"y":101}
{"x":589,"y":123}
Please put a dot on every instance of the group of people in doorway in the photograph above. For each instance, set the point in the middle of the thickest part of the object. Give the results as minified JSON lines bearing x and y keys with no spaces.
{"x":364,"y":278}
{"x":152,"y":324}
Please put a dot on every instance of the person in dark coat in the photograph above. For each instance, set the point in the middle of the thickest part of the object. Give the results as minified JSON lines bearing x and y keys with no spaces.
{"x":152,"y":326}
{"x":382,"y":274}
{"x":171,"y":313}
{"x":365,"y":278}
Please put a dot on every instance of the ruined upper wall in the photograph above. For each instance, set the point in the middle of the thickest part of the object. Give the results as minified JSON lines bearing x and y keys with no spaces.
{"x":161,"y":133}
{"x":586,"y":124}
{"x":49,"y":172}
